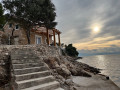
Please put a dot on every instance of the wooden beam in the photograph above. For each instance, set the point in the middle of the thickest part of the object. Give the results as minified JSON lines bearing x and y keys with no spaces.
{"x":57,"y":31}
{"x":54,"y":38}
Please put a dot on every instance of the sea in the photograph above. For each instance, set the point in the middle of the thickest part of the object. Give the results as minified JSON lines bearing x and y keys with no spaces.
{"x":109,"y":65}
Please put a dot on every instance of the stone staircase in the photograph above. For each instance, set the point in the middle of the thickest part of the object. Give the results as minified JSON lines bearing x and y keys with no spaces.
{"x":30,"y":72}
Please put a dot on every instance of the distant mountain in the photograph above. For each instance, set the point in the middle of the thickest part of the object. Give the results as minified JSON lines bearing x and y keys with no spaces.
{"x":91,"y":54}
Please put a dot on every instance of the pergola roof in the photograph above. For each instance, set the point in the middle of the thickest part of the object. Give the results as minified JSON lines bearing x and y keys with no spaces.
{"x":42,"y":30}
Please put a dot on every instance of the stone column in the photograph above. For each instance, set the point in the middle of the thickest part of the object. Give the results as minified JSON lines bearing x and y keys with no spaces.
{"x":54,"y":38}
{"x":59,"y":39}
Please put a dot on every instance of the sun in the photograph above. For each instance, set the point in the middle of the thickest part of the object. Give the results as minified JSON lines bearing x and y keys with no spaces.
{"x":96,"y":29}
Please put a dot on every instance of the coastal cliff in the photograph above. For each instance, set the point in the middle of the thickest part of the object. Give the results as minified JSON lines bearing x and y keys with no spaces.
{"x":71,"y":75}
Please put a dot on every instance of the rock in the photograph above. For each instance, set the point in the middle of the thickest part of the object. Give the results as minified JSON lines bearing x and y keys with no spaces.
{"x":63,"y":66}
{"x":64,"y":72}
{"x":69,"y":82}
{"x":73,"y":88}
{"x":76,"y":58}
{"x":107,"y":77}
{"x":2,"y":73}
{"x":73,"y":72}
{"x":56,"y":65}
{"x":6,"y":53}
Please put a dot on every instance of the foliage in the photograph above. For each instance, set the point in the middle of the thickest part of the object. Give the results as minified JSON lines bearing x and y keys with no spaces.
{"x":31,"y":12}
{"x":71,"y":51}
{"x":2,"y":18}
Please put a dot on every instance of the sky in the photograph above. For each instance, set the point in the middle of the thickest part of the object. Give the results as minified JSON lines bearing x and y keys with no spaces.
{"x":92,"y":26}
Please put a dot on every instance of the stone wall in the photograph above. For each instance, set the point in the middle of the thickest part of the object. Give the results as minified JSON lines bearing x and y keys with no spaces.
{"x":0,"y":40}
{"x":1,"y":34}
{"x":20,"y":33}
{"x":4,"y":66}
{"x":43,"y":50}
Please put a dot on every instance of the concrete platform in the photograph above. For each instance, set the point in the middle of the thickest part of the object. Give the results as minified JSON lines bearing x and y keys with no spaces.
{"x":96,"y":82}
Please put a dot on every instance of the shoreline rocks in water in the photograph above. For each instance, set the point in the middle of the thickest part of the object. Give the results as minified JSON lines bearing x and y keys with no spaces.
{"x":76,"y":58}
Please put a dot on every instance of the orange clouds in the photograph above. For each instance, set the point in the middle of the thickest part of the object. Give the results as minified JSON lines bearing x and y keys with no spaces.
{"x":98,"y":43}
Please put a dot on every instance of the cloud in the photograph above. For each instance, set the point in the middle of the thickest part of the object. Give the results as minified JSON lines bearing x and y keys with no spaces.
{"x":98,"y":43}
{"x":76,"y":19}
{"x":106,"y":50}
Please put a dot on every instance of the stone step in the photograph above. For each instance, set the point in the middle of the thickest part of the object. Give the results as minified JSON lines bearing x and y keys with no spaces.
{"x":27,"y":65}
{"x":13,"y":57}
{"x":23,"y":61}
{"x":29,"y":70}
{"x":59,"y":89}
{"x":47,"y":86}
{"x":34,"y":82}
{"x":32,"y":75}
{"x":23,"y":54}
{"x":23,"y":51}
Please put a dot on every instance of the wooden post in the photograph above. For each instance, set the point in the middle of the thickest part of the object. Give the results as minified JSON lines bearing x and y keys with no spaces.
{"x":59,"y":39}
{"x":48,"y":37}
{"x":54,"y":38}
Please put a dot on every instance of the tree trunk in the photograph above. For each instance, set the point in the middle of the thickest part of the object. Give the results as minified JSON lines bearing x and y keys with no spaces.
{"x":47,"y":36}
{"x":12,"y":37}
{"x":13,"y":32}
{"x":28,"y":35}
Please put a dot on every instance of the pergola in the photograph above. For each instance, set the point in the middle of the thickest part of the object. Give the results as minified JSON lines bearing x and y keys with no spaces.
{"x":49,"y":32}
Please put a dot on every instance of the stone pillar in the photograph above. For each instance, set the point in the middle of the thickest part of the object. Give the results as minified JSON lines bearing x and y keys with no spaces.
{"x":54,"y":38}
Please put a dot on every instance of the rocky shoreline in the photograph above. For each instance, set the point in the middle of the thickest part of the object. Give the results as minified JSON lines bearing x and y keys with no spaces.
{"x":64,"y":67}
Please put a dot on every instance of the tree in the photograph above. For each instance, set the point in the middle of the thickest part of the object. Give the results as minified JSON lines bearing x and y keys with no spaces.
{"x":71,"y":51}
{"x":49,"y":16}
{"x":31,"y":12}
{"x":2,"y":18}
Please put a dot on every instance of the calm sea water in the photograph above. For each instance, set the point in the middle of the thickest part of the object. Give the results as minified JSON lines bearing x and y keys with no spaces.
{"x":110,"y":65}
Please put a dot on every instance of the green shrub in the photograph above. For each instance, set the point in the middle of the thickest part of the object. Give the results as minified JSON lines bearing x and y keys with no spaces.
{"x":71,"y":51}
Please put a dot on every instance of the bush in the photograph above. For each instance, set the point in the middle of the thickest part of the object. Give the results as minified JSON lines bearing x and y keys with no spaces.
{"x":71,"y":51}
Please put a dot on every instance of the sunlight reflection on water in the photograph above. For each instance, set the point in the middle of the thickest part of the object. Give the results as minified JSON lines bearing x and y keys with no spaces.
{"x":110,"y":65}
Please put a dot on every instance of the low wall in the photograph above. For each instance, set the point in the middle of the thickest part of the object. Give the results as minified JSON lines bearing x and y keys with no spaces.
{"x":4,"y":67}
{"x":44,"y":50}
